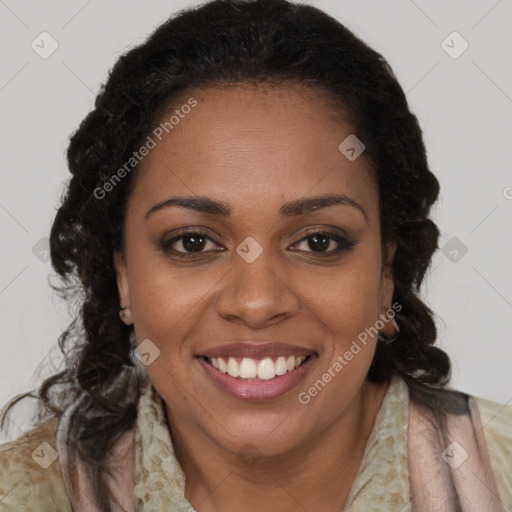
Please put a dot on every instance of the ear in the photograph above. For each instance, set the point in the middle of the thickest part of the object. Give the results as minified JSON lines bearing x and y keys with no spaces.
{"x":387,"y":285}
{"x":122,"y":279}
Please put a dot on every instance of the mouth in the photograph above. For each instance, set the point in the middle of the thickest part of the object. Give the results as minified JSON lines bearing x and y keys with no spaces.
{"x":257,"y":372}
{"x":247,"y":368}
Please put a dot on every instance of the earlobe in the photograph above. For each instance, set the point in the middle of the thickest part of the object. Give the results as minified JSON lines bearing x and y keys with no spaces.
{"x":390,"y":254}
{"x":387,"y":288}
{"x":121,"y":277}
{"x":122,"y":287}
{"x":387,"y":284}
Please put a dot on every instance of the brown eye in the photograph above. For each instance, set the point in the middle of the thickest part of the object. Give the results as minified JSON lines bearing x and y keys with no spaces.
{"x":319,"y":241}
{"x":191,"y":243}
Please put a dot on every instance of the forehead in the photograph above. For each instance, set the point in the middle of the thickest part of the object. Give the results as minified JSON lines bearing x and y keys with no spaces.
{"x":245,"y":144}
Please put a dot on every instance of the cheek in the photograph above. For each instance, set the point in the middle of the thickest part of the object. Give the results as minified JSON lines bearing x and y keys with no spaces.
{"x":163,"y":297}
{"x":348,"y":305}
{"x":348,"y":299}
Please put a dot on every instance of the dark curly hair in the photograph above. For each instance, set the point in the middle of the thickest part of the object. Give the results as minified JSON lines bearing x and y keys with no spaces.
{"x":225,"y":42}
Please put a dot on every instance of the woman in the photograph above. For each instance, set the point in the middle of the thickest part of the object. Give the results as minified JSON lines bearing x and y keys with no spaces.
{"x":247,"y":227}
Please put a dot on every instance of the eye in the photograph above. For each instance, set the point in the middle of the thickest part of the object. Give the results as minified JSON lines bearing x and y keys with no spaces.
{"x":192,"y":242}
{"x":319,"y":240}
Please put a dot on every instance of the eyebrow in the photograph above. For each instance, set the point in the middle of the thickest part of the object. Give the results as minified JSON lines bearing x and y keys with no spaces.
{"x":290,"y":209}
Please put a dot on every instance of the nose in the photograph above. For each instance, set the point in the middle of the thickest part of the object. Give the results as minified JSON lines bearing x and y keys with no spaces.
{"x":254,"y":293}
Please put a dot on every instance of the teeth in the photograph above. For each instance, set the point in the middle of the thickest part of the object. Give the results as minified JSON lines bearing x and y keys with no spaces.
{"x":223,"y":367}
{"x":266,"y":369}
{"x":299,"y":361}
{"x":233,"y":367}
{"x":281,"y":368}
{"x":248,"y":368}
{"x":263,"y":369}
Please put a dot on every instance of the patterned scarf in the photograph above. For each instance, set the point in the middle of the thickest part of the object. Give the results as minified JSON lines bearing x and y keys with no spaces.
{"x":404,"y":465}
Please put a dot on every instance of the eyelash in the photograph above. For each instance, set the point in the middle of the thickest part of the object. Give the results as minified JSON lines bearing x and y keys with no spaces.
{"x":344,"y":243}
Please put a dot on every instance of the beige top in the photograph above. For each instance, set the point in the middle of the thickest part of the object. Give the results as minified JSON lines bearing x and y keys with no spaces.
{"x":30,"y":476}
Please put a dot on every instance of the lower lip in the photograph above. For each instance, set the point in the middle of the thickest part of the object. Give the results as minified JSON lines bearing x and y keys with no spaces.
{"x":258,"y":389}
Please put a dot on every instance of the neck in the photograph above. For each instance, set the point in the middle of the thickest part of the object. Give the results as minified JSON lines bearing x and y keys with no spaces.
{"x":316,"y":476}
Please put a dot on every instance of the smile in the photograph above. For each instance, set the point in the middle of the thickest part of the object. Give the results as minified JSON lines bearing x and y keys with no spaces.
{"x":251,"y":379}
{"x":258,"y":369}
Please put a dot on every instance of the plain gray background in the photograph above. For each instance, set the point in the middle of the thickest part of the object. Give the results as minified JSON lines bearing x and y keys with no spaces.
{"x":463,"y":101}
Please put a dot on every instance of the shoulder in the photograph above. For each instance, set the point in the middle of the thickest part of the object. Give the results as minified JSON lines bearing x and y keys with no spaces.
{"x":497,"y":426}
{"x":30,"y":474}
{"x":496,"y":422}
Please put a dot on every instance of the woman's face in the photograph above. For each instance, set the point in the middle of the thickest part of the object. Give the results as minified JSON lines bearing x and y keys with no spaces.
{"x":256,"y":274}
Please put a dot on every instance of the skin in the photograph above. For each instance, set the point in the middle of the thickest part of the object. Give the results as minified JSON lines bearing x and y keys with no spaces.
{"x":255,"y":148}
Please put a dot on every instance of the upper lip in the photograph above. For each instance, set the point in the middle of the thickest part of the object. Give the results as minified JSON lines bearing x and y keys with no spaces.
{"x":257,"y":350}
